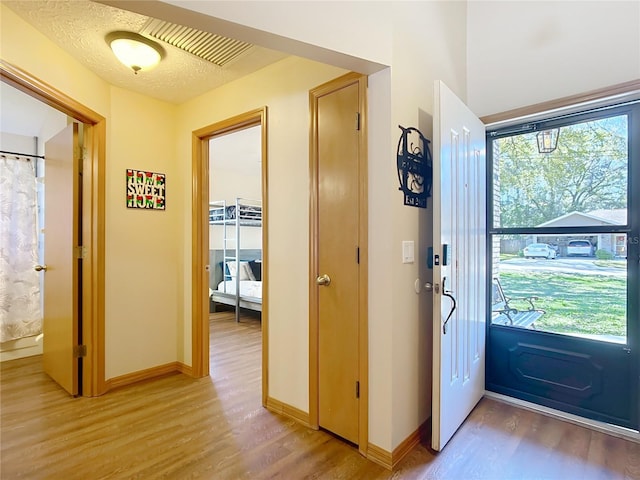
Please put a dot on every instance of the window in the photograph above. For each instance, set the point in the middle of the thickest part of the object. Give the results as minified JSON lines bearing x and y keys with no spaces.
{"x":559,"y":224}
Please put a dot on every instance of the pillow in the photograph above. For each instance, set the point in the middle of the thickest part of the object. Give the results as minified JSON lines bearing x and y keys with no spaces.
{"x":256,"y":268}
{"x":245,"y":270}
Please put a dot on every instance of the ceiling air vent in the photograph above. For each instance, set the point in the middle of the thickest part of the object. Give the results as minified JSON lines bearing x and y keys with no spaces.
{"x":208,"y":46}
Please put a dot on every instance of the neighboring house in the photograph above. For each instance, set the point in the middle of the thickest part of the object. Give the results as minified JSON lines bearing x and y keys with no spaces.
{"x":609,"y":242}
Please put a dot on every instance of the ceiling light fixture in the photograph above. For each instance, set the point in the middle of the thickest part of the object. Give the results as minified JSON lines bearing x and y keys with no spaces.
{"x":548,"y":140}
{"x":134,"y":50}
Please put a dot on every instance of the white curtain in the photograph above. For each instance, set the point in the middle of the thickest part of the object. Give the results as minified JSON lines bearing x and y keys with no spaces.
{"x":20,"y":312}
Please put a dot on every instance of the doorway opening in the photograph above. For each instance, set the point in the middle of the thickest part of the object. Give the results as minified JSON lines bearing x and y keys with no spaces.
{"x":230,"y":236}
{"x":235,"y":221}
{"x":235,"y":259}
{"x":91,"y":276}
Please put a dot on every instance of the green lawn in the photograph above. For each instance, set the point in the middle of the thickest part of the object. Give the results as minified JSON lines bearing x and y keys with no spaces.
{"x":583,"y":304}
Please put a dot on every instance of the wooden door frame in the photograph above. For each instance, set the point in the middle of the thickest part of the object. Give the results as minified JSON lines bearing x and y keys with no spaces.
{"x":363,"y":331}
{"x":200,"y":239}
{"x":93,"y":208}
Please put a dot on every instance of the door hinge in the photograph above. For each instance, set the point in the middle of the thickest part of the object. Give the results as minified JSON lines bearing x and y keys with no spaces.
{"x":357,"y":389}
{"x":358,"y":121}
{"x":80,"y":351}
{"x":80,"y":251}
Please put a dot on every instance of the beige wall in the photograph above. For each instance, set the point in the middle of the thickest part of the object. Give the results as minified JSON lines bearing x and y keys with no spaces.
{"x":429,"y":43}
{"x":143,"y":259}
{"x":382,"y":191}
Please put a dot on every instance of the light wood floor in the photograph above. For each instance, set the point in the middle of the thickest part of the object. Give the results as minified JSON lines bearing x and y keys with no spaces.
{"x":214,"y":428}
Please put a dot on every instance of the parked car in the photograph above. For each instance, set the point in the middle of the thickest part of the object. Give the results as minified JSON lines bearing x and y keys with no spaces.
{"x":579,"y":247}
{"x":539,"y":250}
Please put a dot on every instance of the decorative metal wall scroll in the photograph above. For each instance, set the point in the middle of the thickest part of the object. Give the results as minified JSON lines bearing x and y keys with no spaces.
{"x":415,"y":167}
{"x":145,"y":189}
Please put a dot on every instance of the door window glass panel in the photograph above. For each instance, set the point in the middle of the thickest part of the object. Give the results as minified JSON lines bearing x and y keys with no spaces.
{"x":572,"y":284}
{"x":582,"y":182}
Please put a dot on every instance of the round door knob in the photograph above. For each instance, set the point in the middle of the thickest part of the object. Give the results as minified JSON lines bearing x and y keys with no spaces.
{"x":428,"y":287}
{"x":323,"y":280}
{"x":40,"y":268}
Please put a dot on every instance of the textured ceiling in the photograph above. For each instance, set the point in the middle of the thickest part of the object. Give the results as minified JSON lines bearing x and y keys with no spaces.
{"x":79,"y":28}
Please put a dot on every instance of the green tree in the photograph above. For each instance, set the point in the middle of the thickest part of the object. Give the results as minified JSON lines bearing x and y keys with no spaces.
{"x":587,"y":171}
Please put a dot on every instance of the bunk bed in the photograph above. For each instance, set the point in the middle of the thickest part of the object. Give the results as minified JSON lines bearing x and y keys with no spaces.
{"x":235,"y":274}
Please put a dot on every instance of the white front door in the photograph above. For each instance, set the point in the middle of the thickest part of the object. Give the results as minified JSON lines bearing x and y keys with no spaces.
{"x":459,"y":246}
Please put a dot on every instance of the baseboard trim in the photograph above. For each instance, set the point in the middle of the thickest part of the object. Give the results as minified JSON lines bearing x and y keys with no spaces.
{"x":390,"y":460}
{"x":378,"y":455}
{"x":409,"y":443}
{"x":614,"y":430}
{"x":186,"y":369}
{"x":142,"y":375}
{"x":276,"y":406}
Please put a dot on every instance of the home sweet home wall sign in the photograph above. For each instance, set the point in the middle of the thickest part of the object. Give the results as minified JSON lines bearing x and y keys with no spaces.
{"x":146,"y":190}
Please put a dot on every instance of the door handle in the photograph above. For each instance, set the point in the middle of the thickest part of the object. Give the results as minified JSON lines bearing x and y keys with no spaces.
{"x":447,"y":293}
{"x":40,"y":268}
{"x":323,"y":280}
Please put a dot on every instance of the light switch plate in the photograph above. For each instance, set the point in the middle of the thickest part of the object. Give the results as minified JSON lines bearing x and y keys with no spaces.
{"x":408,"y":251}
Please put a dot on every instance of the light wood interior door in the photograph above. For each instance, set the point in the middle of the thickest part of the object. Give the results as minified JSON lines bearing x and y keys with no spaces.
{"x":338,"y":259}
{"x":61,"y":234}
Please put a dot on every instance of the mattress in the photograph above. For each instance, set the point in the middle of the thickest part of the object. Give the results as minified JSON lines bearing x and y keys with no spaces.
{"x":248,"y":288}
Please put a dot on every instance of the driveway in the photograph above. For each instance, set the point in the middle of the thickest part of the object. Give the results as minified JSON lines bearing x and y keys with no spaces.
{"x":574,"y":265}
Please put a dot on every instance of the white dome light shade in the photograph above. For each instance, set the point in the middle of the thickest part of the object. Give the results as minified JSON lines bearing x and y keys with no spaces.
{"x":135,"y":51}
